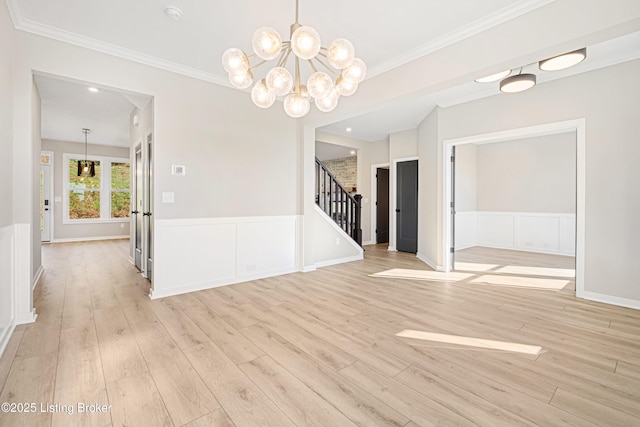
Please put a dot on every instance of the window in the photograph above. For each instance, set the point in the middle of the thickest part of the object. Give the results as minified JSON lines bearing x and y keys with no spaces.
{"x":104,"y":197}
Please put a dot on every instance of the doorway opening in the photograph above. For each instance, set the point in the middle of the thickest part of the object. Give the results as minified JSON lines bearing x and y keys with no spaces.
{"x":577,"y":127}
{"x":100,"y":207}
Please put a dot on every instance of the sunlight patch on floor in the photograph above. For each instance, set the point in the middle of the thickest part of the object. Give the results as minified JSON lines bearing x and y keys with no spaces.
{"x":470,"y":342}
{"x":537,"y":271}
{"x":402,"y":273}
{"x":521,"y":282}
{"x":473,"y":266}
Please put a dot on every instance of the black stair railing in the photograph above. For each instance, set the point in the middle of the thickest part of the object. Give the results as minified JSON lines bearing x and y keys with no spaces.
{"x":335,"y":201}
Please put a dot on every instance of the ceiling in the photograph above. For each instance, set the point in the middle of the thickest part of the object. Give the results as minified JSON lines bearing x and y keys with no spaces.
{"x":386,"y":36}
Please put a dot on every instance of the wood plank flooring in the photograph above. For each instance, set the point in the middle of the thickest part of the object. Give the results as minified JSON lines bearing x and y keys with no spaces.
{"x":324,"y":348}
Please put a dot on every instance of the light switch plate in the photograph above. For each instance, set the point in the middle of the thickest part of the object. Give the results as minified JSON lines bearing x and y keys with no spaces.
{"x":168,"y":197}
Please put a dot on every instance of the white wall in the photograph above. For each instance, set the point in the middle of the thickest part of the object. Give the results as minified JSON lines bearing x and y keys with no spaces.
{"x":528,"y":175}
{"x":428,"y":179}
{"x":68,"y":232}
{"x":608,"y":99}
{"x":466,"y":179}
{"x":36,"y":253}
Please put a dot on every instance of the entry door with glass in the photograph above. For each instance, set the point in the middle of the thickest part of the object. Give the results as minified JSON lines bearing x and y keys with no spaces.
{"x":46,"y":164}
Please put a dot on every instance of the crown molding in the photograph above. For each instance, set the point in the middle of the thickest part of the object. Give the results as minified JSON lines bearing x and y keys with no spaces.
{"x":20,"y":23}
{"x":462,"y":33}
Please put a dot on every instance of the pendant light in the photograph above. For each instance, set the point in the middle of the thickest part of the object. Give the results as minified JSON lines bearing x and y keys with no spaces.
{"x":563,"y":61}
{"x":86,"y":168}
{"x":518,"y":83}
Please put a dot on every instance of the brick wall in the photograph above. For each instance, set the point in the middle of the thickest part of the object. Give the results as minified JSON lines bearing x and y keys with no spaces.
{"x":345,"y":170}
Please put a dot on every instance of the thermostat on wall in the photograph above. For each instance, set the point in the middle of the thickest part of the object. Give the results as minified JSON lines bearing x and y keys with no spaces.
{"x":178,"y":170}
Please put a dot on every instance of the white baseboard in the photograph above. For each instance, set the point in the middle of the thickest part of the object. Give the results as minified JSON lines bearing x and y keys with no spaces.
{"x":338,"y":261}
{"x":5,"y":336}
{"x":608,"y":299}
{"x":429,"y":262}
{"x":368,"y":242}
{"x":194,"y":287}
{"x":89,"y":239}
{"x":392,"y":249}
{"x":36,"y":279}
{"x":309,"y":268}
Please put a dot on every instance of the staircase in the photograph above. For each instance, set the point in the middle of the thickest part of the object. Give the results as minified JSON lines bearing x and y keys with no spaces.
{"x":335,"y":201}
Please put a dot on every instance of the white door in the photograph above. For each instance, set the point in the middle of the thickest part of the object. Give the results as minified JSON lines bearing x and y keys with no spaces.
{"x":46,"y":207}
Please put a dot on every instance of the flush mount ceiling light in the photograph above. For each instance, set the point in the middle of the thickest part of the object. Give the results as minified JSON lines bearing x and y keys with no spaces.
{"x":86,"y":168}
{"x":563,"y":61}
{"x":518,"y":83}
{"x":93,"y":89}
{"x":494,"y":77}
{"x":341,"y":77}
{"x":173,"y":12}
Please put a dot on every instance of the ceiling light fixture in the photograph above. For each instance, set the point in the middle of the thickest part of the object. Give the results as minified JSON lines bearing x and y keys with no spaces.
{"x":518,"y":83}
{"x":86,"y":168}
{"x":494,"y":77}
{"x":348,"y":129}
{"x":173,"y":12}
{"x":347,"y":70}
{"x":563,"y":61}
{"x":93,"y":89}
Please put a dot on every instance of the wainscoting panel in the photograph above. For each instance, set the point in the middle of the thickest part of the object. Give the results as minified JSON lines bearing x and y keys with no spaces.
{"x":466,"y":233}
{"x":7,"y":283}
{"x":534,"y":232}
{"x":196,"y":254}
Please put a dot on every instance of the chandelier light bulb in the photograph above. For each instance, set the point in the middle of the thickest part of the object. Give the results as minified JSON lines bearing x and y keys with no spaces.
{"x":328,"y":102}
{"x":241,"y":81}
{"x":296,"y":105}
{"x":262,"y":96}
{"x":266,"y":43}
{"x":305,"y":42}
{"x":356,"y":71}
{"x":341,"y":53}
{"x":279,"y":80}
{"x":304,"y":92}
{"x":235,"y":61}
{"x":346,"y":87}
{"x":319,"y":84}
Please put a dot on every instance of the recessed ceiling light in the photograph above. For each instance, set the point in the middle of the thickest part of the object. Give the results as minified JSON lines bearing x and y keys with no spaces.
{"x":173,"y":12}
{"x":563,"y":61}
{"x":93,"y":89}
{"x":494,"y":77}
{"x":353,"y":152}
{"x":349,"y":129}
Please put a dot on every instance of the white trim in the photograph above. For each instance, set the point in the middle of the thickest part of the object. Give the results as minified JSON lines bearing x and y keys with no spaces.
{"x":24,"y":310}
{"x":336,"y":261}
{"x":434,"y":266}
{"x":368,"y":242}
{"x":487,"y":22}
{"x":499,"y":17}
{"x":393,"y":196}
{"x":6,"y":336}
{"x":199,"y":286}
{"x":90,"y":239}
{"x":608,"y":299}
{"x":336,"y":227}
{"x":309,"y":268}
{"x":36,"y":278}
{"x":576,"y":125}
{"x":104,"y":190}
{"x":374,"y":198}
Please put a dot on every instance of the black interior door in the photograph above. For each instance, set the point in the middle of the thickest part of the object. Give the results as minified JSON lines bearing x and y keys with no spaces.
{"x":382,"y":205}
{"x":407,"y":207}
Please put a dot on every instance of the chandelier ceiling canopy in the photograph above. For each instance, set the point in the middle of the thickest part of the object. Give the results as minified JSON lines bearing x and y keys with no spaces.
{"x":334,"y":70}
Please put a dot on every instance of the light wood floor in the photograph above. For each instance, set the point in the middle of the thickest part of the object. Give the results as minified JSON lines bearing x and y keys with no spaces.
{"x":322,"y":348}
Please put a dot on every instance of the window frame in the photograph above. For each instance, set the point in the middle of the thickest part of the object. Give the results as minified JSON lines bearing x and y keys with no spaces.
{"x":105,"y":189}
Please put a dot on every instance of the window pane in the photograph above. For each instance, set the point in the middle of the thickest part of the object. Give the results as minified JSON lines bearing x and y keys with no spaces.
{"x":120,"y":176}
{"x":84,"y":204}
{"x":120,"y":204}
{"x":76,"y":181}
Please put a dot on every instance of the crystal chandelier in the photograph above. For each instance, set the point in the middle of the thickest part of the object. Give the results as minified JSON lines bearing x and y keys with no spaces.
{"x":339,"y":78}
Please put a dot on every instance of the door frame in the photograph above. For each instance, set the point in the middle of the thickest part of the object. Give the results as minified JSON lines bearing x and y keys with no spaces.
{"x":579,"y":127}
{"x":393,"y":195}
{"x":137,"y":147}
{"x":374,"y":197}
{"x":51,"y":192}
